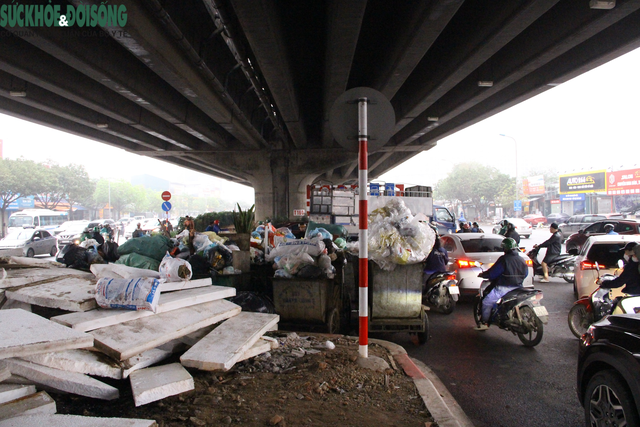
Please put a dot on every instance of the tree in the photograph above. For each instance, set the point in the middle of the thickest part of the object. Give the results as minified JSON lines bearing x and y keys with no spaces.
{"x":49,"y":191}
{"x":75,"y":185}
{"x":17,"y":179}
{"x":121,"y":194}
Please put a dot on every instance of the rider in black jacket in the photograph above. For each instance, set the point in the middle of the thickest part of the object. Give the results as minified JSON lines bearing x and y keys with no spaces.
{"x":554,"y":247}
{"x":630,"y":275}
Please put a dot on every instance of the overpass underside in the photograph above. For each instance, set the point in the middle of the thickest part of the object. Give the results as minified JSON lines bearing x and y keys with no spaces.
{"x":242,"y":89}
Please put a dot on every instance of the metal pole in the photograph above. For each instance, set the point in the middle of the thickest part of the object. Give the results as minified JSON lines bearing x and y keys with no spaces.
{"x":363,"y":216}
{"x":515,"y":144}
{"x":109,"y":199}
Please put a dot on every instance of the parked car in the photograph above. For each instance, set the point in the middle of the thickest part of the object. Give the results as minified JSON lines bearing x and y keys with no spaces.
{"x":67,"y":225}
{"x":558,"y":218}
{"x":523,"y":228}
{"x":577,"y":222}
{"x":72,"y":234}
{"x":606,"y":251}
{"x":472,"y":253}
{"x":28,"y":242}
{"x":534,"y":219}
{"x":620,"y":226}
{"x":608,"y":380}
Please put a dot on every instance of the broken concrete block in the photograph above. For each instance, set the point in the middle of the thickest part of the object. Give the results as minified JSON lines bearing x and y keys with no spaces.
{"x":101,"y":318}
{"x":151,"y":384}
{"x":4,"y":372}
{"x":23,"y":333}
{"x":68,"y":293}
{"x":186,"y":284}
{"x":222,"y":348}
{"x":39,"y":403}
{"x":259,"y":347}
{"x":144,"y":360}
{"x":127,"y":339}
{"x":60,"y":420}
{"x":9,"y":392}
{"x":80,"y":361}
{"x":10,"y":304}
{"x":70,"y":382}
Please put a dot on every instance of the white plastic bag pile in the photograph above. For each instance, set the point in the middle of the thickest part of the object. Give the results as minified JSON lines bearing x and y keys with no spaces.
{"x":397,"y":237}
{"x":292,"y":256}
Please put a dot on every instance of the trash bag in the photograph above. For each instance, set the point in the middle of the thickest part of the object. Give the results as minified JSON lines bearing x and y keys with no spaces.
{"x":220,"y":257}
{"x":139,"y":261}
{"x":174,"y":269}
{"x":321,"y":231}
{"x":109,"y":251}
{"x":310,"y":271}
{"x":335,"y":229}
{"x":154,"y":247}
{"x":73,"y":256}
{"x":255,"y":303}
{"x":200,"y":267}
{"x":93,"y":257}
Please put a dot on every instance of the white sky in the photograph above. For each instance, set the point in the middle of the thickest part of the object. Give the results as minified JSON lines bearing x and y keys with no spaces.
{"x":590,"y":122}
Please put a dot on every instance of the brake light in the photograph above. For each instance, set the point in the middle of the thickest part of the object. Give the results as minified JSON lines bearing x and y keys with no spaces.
{"x":587,"y":265}
{"x":463,"y":263}
{"x":529,"y":263}
{"x":451,"y":277}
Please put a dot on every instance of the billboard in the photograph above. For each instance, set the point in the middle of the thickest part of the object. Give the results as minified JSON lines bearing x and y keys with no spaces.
{"x":583,"y":182}
{"x":533,"y":185}
{"x":623,"y":182}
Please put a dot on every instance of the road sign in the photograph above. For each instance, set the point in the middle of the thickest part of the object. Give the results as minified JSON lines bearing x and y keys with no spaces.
{"x":166,"y":206}
{"x":517,"y":205}
{"x":166,"y":196}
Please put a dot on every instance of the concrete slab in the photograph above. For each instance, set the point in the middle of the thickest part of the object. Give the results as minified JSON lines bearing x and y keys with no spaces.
{"x":80,"y":361}
{"x":261,"y":346}
{"x":26,"y":276}
{"x":10,"y":304}
{"x":151,"y":384}
{"x":71,"y":382}
{"x":60,"y":420}
{"x":4,"y":371}
{"x":119,"y":271}
{"x":69,"y":293}
{"x":144,"y":360}
{"x":188,"y":284}
{"x":39,"y":403}
{"x":127,"y":339}
{"x":223,"y":347}
{"x":35,"y":262}
{"x":23,"y":333}
{"x":101,"y":318}
{"x":9,"y":392}
{"x":3,"y":298}
{"x":191,"y":339}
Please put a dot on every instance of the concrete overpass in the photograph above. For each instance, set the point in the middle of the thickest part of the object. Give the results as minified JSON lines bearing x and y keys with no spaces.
{"x":241,"y":89}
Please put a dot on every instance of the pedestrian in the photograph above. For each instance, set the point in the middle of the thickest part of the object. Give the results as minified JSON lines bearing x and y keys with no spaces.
{"x":137,"y":232}
{"x":475,"y":228}
{"x":554,"y":246}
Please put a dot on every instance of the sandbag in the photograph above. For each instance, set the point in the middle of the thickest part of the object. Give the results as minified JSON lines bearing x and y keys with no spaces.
{"x":174,"y":269}
{"x":154,"y":247}
{"x":129,"y":294}
{"x":139,"y":261}
{"x":250,"y":301}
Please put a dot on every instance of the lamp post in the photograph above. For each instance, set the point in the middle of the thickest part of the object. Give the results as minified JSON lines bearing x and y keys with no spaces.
{"x":515,"y":144}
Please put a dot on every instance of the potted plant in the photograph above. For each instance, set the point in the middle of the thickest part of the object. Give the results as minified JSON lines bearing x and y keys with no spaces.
{"x":244,"y":223}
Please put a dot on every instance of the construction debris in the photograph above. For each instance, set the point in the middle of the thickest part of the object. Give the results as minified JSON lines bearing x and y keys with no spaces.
{"x":65,"y":293}
{"x":38,"y":403}
{"x":9,"y":392}
{"x":59,"y":420}
{"x":151,"y":384}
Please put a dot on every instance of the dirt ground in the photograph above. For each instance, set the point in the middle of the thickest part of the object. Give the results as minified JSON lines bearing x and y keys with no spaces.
{"x":302,"y":383}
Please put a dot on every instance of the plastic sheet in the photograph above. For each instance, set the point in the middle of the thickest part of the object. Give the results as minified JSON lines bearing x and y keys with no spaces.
{"x":139,"y":261}
{"x":154,"y":247}
{"x":294,"y":262}
{"x":397,"y":237}
{"x":320,"y":231}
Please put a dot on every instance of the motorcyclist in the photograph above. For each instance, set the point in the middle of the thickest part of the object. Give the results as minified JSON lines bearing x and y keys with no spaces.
{"x":512,"y":233}
{"x":436,"y":261}
{"x":506,"y":274}
{"x":608,"y":229}
{"x":475,"y":228}
{"x":464,"y":227}
{"x":554,"y":246}
{"x":630,"y":275}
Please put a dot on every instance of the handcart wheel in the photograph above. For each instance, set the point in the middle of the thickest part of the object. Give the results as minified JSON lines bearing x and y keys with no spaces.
{"x":334,"y":321}
{"x":423,"y":337}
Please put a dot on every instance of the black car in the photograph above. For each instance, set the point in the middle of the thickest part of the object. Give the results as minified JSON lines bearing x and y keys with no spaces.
{"x":558,"y":218}
{"x":609,"y":371}
{"x":577,"y":222}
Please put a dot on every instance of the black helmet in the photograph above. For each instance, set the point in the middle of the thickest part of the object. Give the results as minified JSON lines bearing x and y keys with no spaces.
{"x":508,"y":244}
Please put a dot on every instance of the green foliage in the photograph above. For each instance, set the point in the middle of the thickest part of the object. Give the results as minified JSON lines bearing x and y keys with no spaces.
{"x":17,"y":178}
{"x":122,"y":194}
{"x":244,"y":221}
{"x":75,"y":185}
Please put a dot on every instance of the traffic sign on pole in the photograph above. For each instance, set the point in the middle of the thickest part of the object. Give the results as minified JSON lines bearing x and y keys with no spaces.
{"x":517,"y":205}
{"x":166,"y":196}
{"x":166,"y":206}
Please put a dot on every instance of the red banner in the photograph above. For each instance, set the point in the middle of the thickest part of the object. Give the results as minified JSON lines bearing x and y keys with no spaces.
{"x":623,"y":182}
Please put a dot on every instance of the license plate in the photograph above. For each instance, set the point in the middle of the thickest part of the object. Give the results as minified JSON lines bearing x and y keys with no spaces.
{"x":540,"y":311}
{"x":453,"y":290}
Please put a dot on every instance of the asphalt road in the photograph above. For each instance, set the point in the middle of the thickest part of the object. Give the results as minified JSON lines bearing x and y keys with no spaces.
{"x":495,"y":379}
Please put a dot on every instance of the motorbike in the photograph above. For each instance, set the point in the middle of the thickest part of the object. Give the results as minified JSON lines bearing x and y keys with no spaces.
{"x":441,"y":292}
{"x":599,"y":304}
{"x":562,"y":266}
{"x":519,"y":311}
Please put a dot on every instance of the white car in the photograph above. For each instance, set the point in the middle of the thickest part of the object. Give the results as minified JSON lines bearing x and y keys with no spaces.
{"x":606,"y":250}
{"x":29,"y":242}
{"x":523,"y":228}
{"x":472,"y":253}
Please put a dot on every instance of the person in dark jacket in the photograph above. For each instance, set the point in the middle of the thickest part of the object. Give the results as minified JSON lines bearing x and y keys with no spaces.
{"x":137,"y":232}
{"x":630,"y":275}
{"x":508,"y":273}
{"x":512,"y":233}
{"x":437,"y":260}
{"x":554,"y":246}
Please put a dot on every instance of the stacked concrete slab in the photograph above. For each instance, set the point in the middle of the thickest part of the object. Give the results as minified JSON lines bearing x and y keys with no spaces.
{"x":60,"y":353}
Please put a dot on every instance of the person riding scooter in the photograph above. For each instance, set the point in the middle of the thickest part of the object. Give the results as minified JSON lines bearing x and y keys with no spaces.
{"x":630,"y":274}
{"x":554,"y":246}
{"x":508,"y":273}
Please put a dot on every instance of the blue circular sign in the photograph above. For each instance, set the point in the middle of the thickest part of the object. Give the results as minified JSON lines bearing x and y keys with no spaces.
{"x":166,"y":206}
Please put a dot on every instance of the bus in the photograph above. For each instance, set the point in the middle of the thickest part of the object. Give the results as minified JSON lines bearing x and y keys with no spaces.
{"x":36,"y":218}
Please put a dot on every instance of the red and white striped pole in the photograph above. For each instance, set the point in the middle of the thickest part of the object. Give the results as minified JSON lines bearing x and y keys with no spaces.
{"x":363,"y":237}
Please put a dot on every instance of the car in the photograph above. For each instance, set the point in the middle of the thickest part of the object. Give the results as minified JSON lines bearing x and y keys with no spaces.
{"x":523,"y":228}
{"x":29,"y":242}
{"x":620,"y":226}
{"x":72,"y":233}
{"x":534,"y":219}
{"x":66,"y":225}
{"x":472,"y":253}
{"x":608,"y":377}
{"x":558,"y":218}
{"x":577,"y":222}
{"x":604,"y":250}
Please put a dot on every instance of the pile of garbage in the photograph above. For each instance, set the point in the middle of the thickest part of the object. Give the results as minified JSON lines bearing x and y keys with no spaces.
{"x":396,"y":237}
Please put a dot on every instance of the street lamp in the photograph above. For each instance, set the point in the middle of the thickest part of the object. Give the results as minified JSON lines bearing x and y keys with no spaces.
{"x":515,"y":144}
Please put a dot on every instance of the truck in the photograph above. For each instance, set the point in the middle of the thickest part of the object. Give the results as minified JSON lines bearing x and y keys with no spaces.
{"x":338,"y":204}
